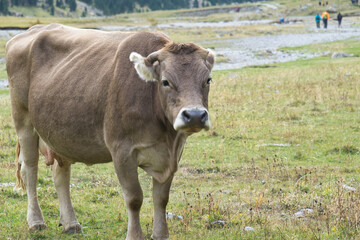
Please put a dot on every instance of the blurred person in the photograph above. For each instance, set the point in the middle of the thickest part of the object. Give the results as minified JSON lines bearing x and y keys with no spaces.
{"x":317,"y":20}
{"x":339,"y":18}
{"x":319,"y":3}
{"x":325,"y":17}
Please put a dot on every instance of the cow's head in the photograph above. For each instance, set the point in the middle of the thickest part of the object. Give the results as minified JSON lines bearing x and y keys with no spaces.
{"x":183,"y":75}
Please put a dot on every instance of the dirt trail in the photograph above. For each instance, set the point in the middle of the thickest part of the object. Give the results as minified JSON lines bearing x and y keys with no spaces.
{"x":265,"y":49}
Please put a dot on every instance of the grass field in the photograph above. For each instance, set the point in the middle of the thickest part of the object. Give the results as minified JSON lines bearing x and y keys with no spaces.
{"x":281,"y":157}
{"x":284,"y":138}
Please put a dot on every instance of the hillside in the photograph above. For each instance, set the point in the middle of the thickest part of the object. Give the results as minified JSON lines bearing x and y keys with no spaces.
{"x":90,"y":8}
{"x":97,"y":8}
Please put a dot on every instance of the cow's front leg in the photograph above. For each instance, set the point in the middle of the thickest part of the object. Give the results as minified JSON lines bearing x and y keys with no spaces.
{"x":160,"y":198}
{"x":126,"y":171}
{"x":61,"y":176}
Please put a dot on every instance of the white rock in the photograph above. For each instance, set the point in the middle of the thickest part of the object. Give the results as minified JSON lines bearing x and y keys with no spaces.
{"x":248,"y":229}
{"x":302,"y":212}
{"x":299,"y":214}
{"x":341,"y":55}
{"x":169,"y":215}
{"x":348,"y":188}
{"x":7,"y":184}
{"x":219,"y":223}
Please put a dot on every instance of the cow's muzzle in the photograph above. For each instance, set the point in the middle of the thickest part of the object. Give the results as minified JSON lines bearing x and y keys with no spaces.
{"x":192,"y":120}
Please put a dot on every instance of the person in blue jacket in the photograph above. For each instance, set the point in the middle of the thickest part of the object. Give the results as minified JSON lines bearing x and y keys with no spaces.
{"x":318,"y":20}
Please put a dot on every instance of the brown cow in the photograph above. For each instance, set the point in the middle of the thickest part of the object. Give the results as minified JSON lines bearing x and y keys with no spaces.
{"x":92,"y":97}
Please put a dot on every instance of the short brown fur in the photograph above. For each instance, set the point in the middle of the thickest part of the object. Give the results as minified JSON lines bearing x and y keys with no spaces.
{"x":77,"y":92}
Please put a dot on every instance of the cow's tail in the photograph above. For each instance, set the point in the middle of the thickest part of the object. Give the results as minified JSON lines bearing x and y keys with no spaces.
{"x":19,"y":180}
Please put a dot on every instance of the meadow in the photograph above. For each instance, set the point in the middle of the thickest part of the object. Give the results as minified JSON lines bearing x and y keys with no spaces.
{"x":282,"y":157}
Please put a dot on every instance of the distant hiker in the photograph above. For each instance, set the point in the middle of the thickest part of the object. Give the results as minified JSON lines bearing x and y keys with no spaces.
{"x":282,"y":20}
{"x":317,"y":20}
{"x":325,"y":17}
{"x":319,"y":3}
{"x":327,"y":3}
{"x":339,"y":18}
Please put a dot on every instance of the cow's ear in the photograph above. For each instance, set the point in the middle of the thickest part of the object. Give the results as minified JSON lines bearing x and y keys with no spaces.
{"x":146,"y":68}
{"x":210,"y":59}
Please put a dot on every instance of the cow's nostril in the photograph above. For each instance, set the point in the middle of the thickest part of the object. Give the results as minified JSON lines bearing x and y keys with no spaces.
{"x":186,"y":116}
{"x":204,"y":117}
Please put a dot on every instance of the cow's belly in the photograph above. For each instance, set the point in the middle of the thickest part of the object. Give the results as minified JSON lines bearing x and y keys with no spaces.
{"x":76,"y":148}
{"x":72,"y":131}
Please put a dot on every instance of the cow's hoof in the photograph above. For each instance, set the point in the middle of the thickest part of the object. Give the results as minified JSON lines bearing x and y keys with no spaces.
{"x":72,"y":228}
{"x":159,"y":238}
{"x":37,"y":226}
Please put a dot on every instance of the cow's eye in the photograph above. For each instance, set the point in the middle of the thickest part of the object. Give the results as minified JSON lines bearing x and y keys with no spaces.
{"x":208,"y":81}
{"x":165,"y":83}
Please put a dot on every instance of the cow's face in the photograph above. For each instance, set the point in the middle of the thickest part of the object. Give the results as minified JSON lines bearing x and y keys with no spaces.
{"x":183,"y":75}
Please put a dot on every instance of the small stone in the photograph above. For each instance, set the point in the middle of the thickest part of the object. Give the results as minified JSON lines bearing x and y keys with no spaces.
{"x":352,"y":189}
{"x":7,"y":184}
{"x":341,"y":55}
{"x":179,"y":217}
{"x":218,"y":223}
{"x":248,"y":229}
{"x":169,"y":215}
{"x":299,"y":214}
{"x":263,"y":181}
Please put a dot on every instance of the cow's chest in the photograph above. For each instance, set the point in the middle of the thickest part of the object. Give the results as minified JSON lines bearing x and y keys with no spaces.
{"x":155,"y":156}
{"x":159,"y":160}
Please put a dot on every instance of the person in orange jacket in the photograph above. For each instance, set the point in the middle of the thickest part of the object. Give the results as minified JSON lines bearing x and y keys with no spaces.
{"x":325,"y":17}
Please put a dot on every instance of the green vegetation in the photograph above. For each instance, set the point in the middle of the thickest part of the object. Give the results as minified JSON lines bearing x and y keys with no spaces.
{"x":350,"y":46}
{"x":283,"y":138}
{"x":111,"y":7}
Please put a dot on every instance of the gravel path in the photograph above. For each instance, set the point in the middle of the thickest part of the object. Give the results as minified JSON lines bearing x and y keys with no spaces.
{"x":264,"y":49}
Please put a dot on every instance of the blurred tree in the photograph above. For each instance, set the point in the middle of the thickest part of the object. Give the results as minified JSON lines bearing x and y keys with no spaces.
{"x":23,"y":2}
{"x":4,"y":7}
{"x":60,"y":4}
{"x":84,"y":13}
{"x":72,"y":5}
{"x":111,"y":7}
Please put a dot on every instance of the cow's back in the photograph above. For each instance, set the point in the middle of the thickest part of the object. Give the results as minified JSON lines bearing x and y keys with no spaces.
{"x":61,"y":76}
{"x":35,"y":57}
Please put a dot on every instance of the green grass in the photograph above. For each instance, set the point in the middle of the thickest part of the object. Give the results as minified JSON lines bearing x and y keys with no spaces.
{"x":235,"y":172}
{"x":31,"y":11}
{"x":348,"y":46}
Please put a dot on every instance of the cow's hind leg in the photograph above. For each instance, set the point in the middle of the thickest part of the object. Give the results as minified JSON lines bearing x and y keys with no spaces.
{"x":61,"y":176}
{"x":160,"y":198}
{"x":28,"y":158}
